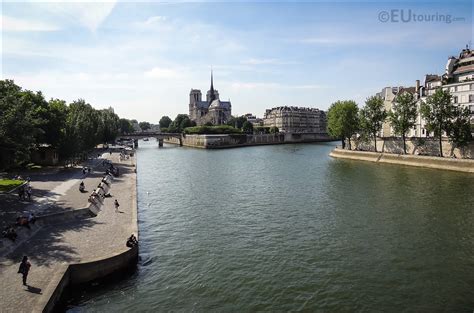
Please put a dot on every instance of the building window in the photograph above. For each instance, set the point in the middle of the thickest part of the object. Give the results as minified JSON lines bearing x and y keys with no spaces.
{"x":471,"y":108}
{"x":455,"y":99}
{"x":471,"y":98}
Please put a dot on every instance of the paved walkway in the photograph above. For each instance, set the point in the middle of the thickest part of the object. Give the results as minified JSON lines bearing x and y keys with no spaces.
{"x":54,"y":247}
{"x":48,"y":189}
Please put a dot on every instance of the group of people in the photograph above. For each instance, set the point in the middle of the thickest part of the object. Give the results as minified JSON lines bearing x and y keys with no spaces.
{"x":25,"y":221}
{"x":86,"y":170}
{"x":25,"y":191}
{"x":10,"y":233}
{"x":123,"y":156}
{"x":99,"y":193}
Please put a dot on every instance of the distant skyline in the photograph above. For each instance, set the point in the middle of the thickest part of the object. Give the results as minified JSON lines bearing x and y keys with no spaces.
{"x":143,"y":58}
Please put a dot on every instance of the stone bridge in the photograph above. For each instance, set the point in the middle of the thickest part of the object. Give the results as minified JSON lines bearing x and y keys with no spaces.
{"x":158,"y":135}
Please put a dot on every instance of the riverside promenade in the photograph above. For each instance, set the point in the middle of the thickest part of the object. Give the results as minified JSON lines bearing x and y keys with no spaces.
{"x":74,"y":248}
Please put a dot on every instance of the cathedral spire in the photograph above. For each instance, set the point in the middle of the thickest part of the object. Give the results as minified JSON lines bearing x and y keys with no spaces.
{"x":212,"y":94}
{"x":212,"y":83}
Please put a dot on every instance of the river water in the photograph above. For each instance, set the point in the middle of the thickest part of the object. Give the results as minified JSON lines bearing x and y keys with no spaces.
{"x":287,"y":228}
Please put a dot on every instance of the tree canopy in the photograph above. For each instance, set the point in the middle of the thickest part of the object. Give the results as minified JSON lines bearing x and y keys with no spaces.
{"x":27,"y":120}
{"x":343,"y":121}
{"x":438,"y":111}
{"x":403,"y":115}
{"x":165,"y":122}
{"x":372,"y":116}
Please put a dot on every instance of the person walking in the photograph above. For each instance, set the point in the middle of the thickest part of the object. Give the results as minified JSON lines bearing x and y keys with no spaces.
{"x":24,"y":268}
{"x":117,"y":205}
{"x":29,"y":192}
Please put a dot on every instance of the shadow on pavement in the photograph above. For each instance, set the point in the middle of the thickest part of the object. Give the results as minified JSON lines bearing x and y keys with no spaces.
{"x":49,"y":247}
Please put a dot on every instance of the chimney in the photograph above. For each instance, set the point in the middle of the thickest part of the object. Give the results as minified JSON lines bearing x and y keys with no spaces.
{"x":417,"y":87}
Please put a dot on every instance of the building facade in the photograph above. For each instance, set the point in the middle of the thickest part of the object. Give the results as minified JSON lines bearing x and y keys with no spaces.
{"x":458,"y":79}
{"x":212,"y":110}
{"x":296,"y":120}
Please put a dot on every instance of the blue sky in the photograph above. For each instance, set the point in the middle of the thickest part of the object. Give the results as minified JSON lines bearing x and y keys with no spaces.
{"x":143,"y":58}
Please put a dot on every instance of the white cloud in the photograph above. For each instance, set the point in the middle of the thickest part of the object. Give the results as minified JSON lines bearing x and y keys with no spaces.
{"x":88,"y":14}
{"x":13,"y":24}
{"x":155,"y":20}
{"x":270,"y":85}
{"x":162,"y":72}
{"x":253,"y":61}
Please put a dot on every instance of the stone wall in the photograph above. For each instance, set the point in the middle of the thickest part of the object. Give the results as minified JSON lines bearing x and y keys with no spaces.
{"x":410,"y":160}
{"x":241,"y":140}
{"x":428,"y":146}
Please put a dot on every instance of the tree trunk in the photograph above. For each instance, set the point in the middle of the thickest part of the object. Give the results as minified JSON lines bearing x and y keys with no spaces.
{"x":375,"y":142}
{"x":440,"y":145}
{"x":343,"y":143}
{"x":350,"y":145}
{"x":404,"y":144}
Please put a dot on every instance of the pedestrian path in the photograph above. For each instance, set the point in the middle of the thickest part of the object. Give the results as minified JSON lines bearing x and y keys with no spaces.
{"x":54,"y":247}
{"x":48,"y":189}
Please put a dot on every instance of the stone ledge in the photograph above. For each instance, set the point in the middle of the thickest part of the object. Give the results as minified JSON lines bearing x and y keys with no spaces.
{"x":459,"y":165}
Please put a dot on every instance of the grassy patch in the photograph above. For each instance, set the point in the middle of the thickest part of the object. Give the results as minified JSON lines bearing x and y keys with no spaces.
{"x":221,"y":129}
{"x":9,"y":184}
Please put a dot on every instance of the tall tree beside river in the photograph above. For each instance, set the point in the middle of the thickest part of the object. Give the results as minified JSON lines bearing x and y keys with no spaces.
{"x":403,"y":115}
{"x":372,"y":116}
{"x":438,"y":111}
{"x":343,"y":121}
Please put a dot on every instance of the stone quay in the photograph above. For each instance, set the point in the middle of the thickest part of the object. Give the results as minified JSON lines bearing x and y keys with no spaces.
{"x":78,"y":243}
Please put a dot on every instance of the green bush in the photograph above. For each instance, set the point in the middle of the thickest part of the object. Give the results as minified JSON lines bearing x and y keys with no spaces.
{"x":261,"y":129}
{"x":221,"y":129}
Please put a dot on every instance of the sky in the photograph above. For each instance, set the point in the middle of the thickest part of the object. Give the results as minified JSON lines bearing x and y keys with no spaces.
{"x":143,"y":58}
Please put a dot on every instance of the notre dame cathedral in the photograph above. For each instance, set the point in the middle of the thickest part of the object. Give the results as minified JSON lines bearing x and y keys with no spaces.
{"x":213,"y":110}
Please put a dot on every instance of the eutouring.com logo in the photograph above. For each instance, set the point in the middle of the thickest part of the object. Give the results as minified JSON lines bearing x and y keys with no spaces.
{"x":408,"y":16}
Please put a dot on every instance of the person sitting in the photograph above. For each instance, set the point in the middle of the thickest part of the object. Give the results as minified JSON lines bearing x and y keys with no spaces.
{"x":22,"y":221}
{"x":31,"y":218}
{"x":132,"y":241}
{"x":107,"y":195}
{"x":82,"y":187}
{"x":10,"y":233}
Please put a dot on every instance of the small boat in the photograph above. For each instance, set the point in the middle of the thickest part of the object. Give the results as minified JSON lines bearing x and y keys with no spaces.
{"x":145,"y":139}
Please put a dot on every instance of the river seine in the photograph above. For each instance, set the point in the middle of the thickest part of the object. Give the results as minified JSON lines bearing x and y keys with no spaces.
{"x":287,"y":228}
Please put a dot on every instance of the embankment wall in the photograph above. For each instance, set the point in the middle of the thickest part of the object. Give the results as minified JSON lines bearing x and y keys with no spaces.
{"x":460,"y":165}
{"x":242,"y":140}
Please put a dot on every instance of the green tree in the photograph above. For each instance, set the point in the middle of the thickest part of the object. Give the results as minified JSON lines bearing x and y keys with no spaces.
{"x":180,"y":123}
{"x":165,"y":122}
{"x":343,"y":121}
{"x":273,"y":130}
{"x":109,"y":124}
{"x":247,"y":127}
{"x":81,"y":131}
{"x":459,"y":131}
{"x":438,"y":112}
{"x":144,"y":126}
{"x":403,"y":115}
{"x":17,"y":122}
{"x":125,"y":126}
{"x":56,"y":122}
{"x":186,"y":122}
{"x":372,"y":116}
{"x":237,"y":122}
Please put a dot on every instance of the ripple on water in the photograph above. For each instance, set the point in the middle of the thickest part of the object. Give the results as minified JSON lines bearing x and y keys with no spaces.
{"x":286,"y":228}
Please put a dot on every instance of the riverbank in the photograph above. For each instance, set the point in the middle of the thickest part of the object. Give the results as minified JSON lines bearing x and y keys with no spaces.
{"x":459,"y":165}
{"x":74,"y":248}
{"x":244,"y":140}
